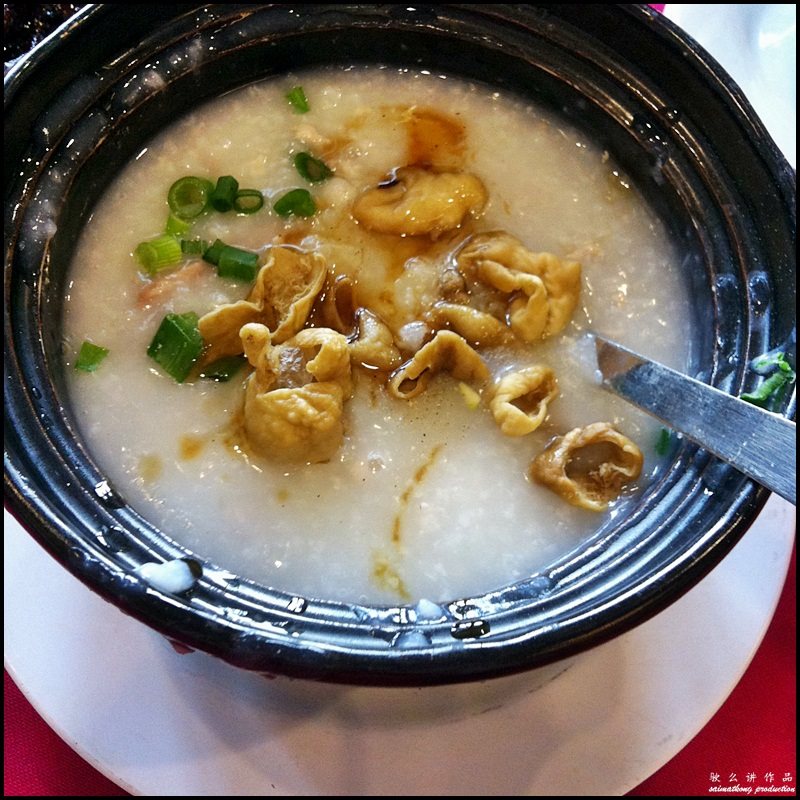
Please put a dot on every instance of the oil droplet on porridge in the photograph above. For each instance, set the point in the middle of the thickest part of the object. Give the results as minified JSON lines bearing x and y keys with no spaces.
{"x":150,"y":467}
{"x":190,"y":446}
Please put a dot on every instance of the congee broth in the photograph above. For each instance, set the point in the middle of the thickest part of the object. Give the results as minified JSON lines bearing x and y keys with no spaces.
{"x":413,"y":412}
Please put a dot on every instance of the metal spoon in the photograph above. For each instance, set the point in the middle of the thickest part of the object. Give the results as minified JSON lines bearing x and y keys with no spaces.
{"x":758,"y":443}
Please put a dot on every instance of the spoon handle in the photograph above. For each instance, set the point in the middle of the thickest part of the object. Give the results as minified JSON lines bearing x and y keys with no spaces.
{"x":758,"y":443}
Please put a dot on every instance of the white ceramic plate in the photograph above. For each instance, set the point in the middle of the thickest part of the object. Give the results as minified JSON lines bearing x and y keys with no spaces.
{"x":162,"y":724}
{"x":158,"y":723}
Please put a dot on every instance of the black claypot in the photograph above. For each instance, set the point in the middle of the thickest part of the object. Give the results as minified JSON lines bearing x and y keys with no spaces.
{"x":674,"y":120}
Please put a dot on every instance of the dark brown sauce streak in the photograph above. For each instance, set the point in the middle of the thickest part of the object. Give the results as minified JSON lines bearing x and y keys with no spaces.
{"x":435,"y":140}
{"x":416,"y":480}
{"x":387,"y":577}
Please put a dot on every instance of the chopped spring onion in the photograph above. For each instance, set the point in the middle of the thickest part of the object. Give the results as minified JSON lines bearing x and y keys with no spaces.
{"x":232,"y":262}
{"x":312,"y":169}
{"x":772,"y":389}
{"x":224,"y":194}
{"x":298,"y":202}
{"x":297,"y":99}
{"x":223,"y":369}
{"x":177,"y":344}
{"x":767,"y":363}
{"x":212,"y":254}
{"x":89,"y":356}
{"x":242,"y":265}
{"x":188,"y":197}
{"x":664,"y":442}
{"x":159,"y":253}
{"x":176,"y":226}
{"x":193,"y":247}
{"x":248,"y":201}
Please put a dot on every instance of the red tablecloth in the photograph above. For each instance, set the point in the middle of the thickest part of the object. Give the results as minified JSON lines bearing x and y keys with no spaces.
{"x":752,"y":737}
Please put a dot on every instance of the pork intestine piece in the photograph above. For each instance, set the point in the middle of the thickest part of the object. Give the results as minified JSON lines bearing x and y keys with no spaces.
{"x":419,"y":201}
{"x":446,"y":352}
{"x":543,"y":290}
{"x":294,"y":399}
{"x":281,"y":299}
{"x":521,"y":399}
{"x":587,"y":480}
{"x":477,"y":327}
{"x":374,"y":347}
{"x":338,"y":307}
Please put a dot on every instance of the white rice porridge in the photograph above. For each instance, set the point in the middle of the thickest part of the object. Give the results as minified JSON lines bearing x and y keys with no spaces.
{"x":425,"y":498}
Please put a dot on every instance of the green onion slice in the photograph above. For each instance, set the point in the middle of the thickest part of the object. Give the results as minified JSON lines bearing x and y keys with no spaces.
{"x":298,"y":202}
{"x":769,"y":362}
{"x":297,"y":99}
{"x":177,"y":344}
{"x":242,"y":265}
{"x":159,"y":253}
{"x":193,"y":247}
{"x":771,"y":389}
{"x":176,"y":226}
{"x":312,"y":169}
{"x":188,"y":197}
{"x":248,"y":201}
{"x":89,"y":356}
{"x":223,"y":369}
{"x":212,"y":254}
{"x":664,"y":442}
{"x":780,"y":375}
{"x":232,"y":262}
{"x":224,"y":193}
